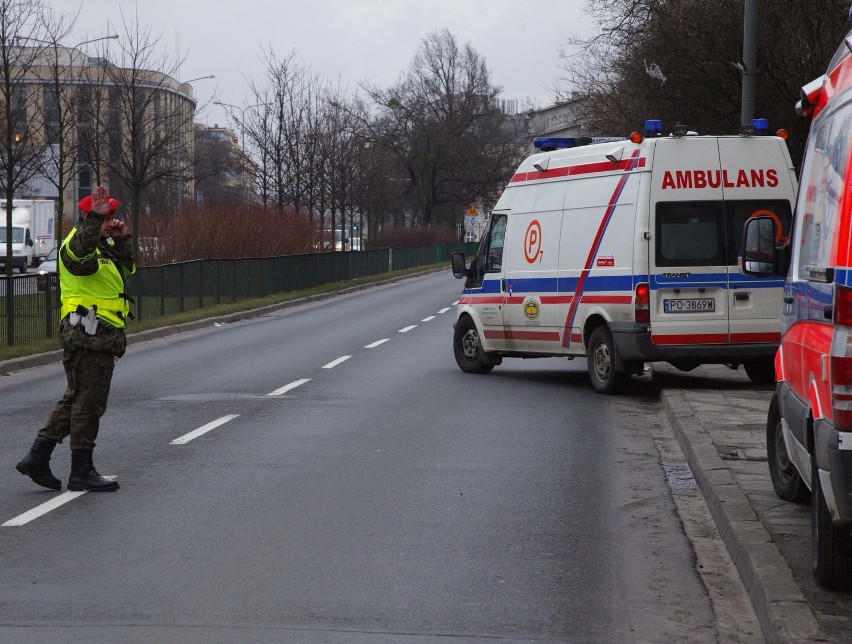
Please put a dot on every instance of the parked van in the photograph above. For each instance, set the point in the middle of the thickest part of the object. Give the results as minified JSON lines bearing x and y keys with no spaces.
{"x":625,"y":251}
{"x":809,"y":427}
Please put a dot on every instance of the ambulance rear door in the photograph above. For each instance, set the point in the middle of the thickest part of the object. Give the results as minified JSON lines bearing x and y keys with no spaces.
{"x":759,"y":181}
{"x":687,"y":254}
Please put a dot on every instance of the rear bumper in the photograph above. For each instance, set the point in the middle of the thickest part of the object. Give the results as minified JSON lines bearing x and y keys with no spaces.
{"x":633,"y":342}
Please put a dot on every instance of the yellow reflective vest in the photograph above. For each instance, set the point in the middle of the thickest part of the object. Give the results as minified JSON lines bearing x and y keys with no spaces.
{"x":104,"y":288}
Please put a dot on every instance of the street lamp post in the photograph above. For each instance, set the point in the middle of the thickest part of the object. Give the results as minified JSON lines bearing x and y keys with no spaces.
{"x":192,"y":80}
{"x":244,"y":160}
{"x":180,"y":147}
{"x":242,"y":119}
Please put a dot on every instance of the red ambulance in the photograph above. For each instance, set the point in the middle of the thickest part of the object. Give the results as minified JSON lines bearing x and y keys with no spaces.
{"x":809,"y":428}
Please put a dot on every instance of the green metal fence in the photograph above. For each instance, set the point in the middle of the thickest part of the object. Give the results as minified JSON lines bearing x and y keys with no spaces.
{"x":186,"y":286}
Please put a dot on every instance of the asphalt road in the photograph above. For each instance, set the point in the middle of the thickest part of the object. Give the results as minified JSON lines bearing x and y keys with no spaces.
{"x":292,"y":478}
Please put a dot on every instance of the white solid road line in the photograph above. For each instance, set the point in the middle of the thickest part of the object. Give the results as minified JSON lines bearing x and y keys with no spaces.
{"x":408,"y":328}
{"x":286,"y":388}
{"x":183,"y":440}
{"x":455,"y":303}
{"x":377,"y":343}
{"x":42,"y":509}
{"x":431,"y":317}
{"x":334,"y":363}
{"x":444,"y":310}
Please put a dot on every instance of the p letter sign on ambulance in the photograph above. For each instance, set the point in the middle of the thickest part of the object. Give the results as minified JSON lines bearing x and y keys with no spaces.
{"x":532,"y":242}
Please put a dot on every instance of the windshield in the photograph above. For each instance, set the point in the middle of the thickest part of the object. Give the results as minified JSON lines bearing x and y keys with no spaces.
{"x":17,"y":235}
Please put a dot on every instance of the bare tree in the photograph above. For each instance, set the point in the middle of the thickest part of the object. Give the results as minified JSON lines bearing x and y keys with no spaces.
{"x":61,"y":71}
{"x":676,"y":60}
{"x":443,"y":123}
{"x":278,"y":126}
{"x":22,"y":36}
{"x":146,"y":123}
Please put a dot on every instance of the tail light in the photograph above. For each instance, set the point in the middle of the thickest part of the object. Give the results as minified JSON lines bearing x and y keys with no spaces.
{"x":642,"y":304}
{"x":841,"y":359}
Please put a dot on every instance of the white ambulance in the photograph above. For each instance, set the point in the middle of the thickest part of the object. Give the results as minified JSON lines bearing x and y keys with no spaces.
{"x":626,"y":252}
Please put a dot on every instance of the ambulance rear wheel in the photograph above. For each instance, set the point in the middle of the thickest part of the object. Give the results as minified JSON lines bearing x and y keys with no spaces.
{"x":601,"y":359}
{"x":832,"y":545}
{"x":468,"y":349}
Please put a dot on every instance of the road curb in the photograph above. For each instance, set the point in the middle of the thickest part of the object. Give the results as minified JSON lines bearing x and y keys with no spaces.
{"x":779,"y":603}
{"x":48,"y":357}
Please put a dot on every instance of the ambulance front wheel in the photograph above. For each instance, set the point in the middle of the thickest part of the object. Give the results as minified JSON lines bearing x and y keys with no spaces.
{"x":601,"y":359}
{"x":468,"y":349}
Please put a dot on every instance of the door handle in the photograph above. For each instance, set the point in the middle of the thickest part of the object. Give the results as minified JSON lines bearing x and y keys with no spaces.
{"x":740,"y":297}
{"x":788,"y":299}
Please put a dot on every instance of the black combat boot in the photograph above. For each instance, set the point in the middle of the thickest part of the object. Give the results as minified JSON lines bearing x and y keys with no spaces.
{"x":36,"y":464}
{"x":84,"y":476}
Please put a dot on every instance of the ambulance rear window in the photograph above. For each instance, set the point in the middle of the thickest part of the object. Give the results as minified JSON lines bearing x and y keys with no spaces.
{"x":709,"y":233}
{"x":690,"y":233}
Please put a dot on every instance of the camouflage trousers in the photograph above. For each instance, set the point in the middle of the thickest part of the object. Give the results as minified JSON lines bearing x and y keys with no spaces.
{"x":89,"y":361}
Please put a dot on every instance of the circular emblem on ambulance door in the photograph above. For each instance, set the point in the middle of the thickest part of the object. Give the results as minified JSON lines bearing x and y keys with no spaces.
{"x":532,"y":242}
{"x":531,"y":309}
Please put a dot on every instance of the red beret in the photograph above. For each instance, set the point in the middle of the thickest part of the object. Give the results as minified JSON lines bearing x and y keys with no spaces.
{"x":86,"y":204}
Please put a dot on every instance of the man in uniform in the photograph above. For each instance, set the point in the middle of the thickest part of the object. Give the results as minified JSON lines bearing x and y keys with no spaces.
{"x":93,"y":262}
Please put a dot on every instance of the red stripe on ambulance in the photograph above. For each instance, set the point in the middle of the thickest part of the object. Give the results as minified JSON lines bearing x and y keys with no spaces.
{"x":581,"y":283}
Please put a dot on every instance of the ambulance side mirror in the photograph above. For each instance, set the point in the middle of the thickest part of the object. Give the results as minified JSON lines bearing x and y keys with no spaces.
{"x":459,"y":268}
{"x":760,"y":256}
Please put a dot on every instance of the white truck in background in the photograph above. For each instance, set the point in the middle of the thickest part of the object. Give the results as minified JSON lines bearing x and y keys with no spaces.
{"x":33,"y":234}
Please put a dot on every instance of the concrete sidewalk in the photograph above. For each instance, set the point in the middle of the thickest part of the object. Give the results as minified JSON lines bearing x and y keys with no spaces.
{"x":719,"y":419}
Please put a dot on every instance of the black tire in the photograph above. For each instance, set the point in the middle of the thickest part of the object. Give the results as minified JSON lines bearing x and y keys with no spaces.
{"x":600,"y":356}
{"x":761,"y":372}
{"x":786,"y":481}
{"x":468,"y":349}
{"x":832,"y":546}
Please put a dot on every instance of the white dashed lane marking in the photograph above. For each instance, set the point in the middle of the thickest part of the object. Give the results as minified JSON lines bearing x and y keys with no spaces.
{"x":408,"y":328}
{"x":334,"y":363}
{"x":431,"y":317}
{"x":377,"y":343}
{"x":444,"y":310}
{"x":286,"y":388}
{"x":183,"y":440}
{"x":43,"y":509}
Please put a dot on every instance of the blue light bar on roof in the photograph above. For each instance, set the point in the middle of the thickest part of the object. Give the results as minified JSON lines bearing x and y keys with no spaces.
{"x":760,"y":125}
{"x":547,"y":143}
{"x":653,"y":127}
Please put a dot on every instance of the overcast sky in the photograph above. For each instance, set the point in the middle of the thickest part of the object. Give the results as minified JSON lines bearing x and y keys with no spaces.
{"x":354,"y":40}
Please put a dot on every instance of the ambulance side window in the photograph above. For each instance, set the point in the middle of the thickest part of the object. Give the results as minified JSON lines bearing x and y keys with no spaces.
{"x":489,"y":255}
{"x":690,"y":233}
{"x":819,"y":201}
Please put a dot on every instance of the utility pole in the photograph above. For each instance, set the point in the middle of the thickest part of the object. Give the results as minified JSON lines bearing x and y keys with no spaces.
{"x":749,"y":71}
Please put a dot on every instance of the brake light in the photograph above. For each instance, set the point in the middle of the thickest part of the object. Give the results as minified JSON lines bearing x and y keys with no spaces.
{"x":642,"y":304}
{"x":843,"y":306}
{"x":841,"y":378}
